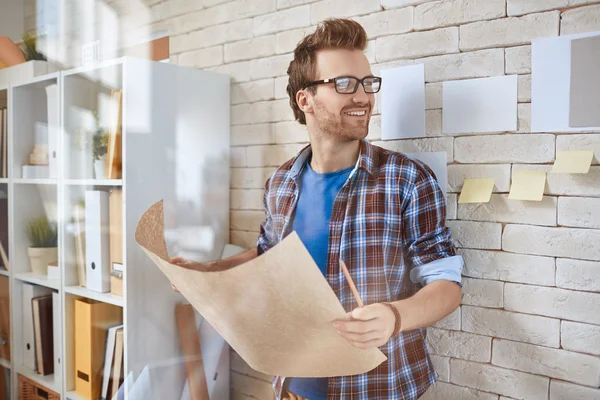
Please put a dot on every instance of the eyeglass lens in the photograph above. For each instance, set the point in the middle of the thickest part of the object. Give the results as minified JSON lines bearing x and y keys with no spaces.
{"x":350,"y":84}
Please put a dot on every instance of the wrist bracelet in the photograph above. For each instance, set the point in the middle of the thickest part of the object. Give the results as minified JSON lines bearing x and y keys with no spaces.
{"x":397,"y":317}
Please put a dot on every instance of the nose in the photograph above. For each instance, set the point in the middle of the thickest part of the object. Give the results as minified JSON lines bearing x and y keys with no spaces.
{"x":360,"y":96}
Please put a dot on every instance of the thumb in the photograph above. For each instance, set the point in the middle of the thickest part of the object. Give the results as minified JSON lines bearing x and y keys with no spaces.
{"x":363,"y":313}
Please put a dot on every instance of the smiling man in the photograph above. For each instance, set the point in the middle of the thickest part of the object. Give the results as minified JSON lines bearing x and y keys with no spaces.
{"x":379,"y":211}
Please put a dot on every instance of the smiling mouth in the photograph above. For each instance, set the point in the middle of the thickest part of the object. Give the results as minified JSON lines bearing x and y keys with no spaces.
{"x":356,"y":113}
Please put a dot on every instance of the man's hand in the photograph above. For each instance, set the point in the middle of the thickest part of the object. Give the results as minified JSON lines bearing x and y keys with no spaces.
{"x":369,"y":326}
{"x":182,"y":262}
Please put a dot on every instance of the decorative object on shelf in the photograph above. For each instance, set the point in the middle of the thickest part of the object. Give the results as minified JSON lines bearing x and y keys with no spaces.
{"x":100,"y":147}
{"x":37,"y":167}
{"x":30,"y":390}
{"x":29,"y":47}
{"x":113,"y":161}
{"x":42,"y":236}
{"x":53,"y":271}
{"x":10,"y":54}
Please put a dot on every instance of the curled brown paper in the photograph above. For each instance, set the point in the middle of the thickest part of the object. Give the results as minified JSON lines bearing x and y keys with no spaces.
{"x":275,"y":310}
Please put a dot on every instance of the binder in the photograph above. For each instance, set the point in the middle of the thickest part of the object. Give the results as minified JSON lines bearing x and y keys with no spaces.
{"x":109,"y":353}
{"x":117,"y":367}
{"x":4,"y":319}
{"x":30,"y":291}
{"x":97,"y":241}
{"x":116,"y":241}
{"x":57,"y":333}
{"x":52,"y":96}
{"x":92,"y":320}
{"x":44,"y":334}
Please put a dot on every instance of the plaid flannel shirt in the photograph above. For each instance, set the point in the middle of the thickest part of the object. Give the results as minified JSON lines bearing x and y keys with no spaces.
{"x":388,"y":218}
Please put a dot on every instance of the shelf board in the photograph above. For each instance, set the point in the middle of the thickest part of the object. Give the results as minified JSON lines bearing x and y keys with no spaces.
{"x":46,"y":381}
{"x":40,"y":181}
{"x":74,"y":396}
{"x":90,"y":294}
{"x":94,"y":182}
{"x":3,"y":180}
{"x":4,"y":363}
{"x":4,"y":272}
{"x":41,"y":280}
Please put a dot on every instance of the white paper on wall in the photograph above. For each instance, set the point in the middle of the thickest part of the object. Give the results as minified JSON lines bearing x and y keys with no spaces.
{"x":551,"y":84}
{"x":403,"y":102}
{"x":438,"y":162}
{"x":584,"y":110}
{"x":480,"y":105}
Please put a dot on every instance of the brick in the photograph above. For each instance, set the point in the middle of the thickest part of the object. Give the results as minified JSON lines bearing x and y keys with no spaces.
{"x":174,"y":8}
{"x":498,"y":380}
{"x":433,"y":123}
{"x":401,"y":3}
{"x":580,"y":20}
{"x":518,"y":60}
{"x":578,"y":274}
{"x":370,"y":51}
{"x":524,"y":89}
{"x":374,"y":128}
{"x":202,"y":58}
{"x":456,"y":12}
{"x":250,"y":92}
{"x":568,"y":184}
{"x":290,"y":132}
{"x":292,"y":18}
{"x":511,"y":148}
{"x":457,"y":174}
{"x":476,"y":64}
{"x":501,"y":209}
{"x":521,"y":7}
{"x":509,"y":31}
{"x":579,"y":212}
{"x":238,"y":157}
{"x":239,"y":72}
{"x":523,"y":116}
{"x":292,"y":3}
{"x":555,"y":363}
{"x":212,"y":36}
{"x":476,"y":235}
{"x":417,"y":44}
{"x":244,"y":135}
{"x":250,"y":178}
{"x":447,"y":391}
{"x":513,"y":326}
{"x":442,"y":366}
{"x":342,"y":9}
{"x":433,"y":96}
{"x":392,"y":22}
{"x":586,"y":141}
{"x":261,"y":111}
{"x":246,"y":199}
{"x":275,"y":155}
{"x":263,"y":46}
{"x":270,"y":67}
{"x":509,"y":267}
{"x":568,"y":391}
{"x":553,"y":302}
{"x":451,"y":321}
{"x":482,"y":292}
{"x":286,"y":41}
{"x":420,"y":145}
{"x":557,"y":242}
{"x":582,"y":338}
{"x":451,"y":206}
{"x":246,"y":220}
{"x":459,"y":344}
{"x":281,"y":87}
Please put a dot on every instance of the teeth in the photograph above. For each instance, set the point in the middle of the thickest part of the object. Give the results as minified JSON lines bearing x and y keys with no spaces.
{"x":356,"y":113}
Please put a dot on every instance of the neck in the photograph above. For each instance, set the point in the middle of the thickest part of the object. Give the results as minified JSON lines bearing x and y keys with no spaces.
{"x":331,"y":156}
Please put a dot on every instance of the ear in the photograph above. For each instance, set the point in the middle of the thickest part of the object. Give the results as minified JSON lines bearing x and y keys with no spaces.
{"x":303,"y":99}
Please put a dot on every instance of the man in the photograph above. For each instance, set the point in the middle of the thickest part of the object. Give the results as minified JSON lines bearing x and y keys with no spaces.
{"x":380,"y":212}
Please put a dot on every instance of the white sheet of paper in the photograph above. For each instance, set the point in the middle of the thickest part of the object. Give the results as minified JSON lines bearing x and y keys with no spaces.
{"x":438,"y":162}
{"x":551,"y":84}
{"x":480,"y":105}
{"x":403,"y":102}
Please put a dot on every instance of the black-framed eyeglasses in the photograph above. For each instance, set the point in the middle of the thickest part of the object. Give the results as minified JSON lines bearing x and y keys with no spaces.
{"x":349,"y":84}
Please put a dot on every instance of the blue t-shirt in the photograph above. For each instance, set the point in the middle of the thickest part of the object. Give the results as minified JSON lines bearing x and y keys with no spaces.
{"x":311,"y":222}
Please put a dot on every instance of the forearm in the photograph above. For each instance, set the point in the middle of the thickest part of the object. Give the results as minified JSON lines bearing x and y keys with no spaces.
{"x":429,"y":305}
{"x":233,"y":261}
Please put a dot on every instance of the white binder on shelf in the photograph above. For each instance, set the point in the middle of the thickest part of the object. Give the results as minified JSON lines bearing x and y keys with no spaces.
{"x":97,"y":241}
{"x":56,"y":326}
{"x":29,"y":292}
{"x":52,"y":105}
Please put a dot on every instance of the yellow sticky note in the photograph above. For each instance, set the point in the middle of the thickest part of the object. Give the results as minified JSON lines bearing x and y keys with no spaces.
{"x":573,"y":162}
{"x":527,"y":185}
{"x":476,"y":191}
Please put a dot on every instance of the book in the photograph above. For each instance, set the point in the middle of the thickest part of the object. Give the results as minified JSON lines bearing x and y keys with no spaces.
{"x":44,"y":334}
{"x":109,"y":352}
{"x":117,"y":367}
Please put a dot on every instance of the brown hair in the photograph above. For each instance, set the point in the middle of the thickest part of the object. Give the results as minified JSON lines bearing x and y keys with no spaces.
{"x":333,"y":33}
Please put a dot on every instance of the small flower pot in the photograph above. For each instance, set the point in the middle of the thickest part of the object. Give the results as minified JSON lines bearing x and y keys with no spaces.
{"x":40,"y":257}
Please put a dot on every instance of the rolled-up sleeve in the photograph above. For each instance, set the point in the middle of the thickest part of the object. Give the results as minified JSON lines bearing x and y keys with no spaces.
{"x":426,"y":238}
{"x":265,"y":239}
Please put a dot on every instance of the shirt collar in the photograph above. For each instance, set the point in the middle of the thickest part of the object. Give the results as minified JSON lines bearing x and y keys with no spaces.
{"x":367,"y":159}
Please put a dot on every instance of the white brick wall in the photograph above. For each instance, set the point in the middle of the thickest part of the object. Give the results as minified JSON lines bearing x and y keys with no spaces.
{"x":529,"y":324}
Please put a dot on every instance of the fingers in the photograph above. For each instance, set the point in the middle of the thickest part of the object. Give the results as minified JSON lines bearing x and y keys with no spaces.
{"x":361,"y":327}
{"x":174,"y":288}
{"x":363,"y":337}
{"x":177,"y":260}
{"x":369,"y":344}
{"x":367,"y":313}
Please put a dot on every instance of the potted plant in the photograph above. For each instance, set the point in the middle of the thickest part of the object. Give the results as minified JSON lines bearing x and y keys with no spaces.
{"x":43,"y":248}
{"x":100,"y":147}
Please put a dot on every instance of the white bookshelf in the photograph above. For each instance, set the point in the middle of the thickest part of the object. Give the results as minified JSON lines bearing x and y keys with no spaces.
{"x":175,"y":148}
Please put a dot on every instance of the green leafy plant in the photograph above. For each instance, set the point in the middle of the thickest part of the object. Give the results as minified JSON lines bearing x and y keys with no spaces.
{"x":29,"y":47}
{"x":100,"y":139}
{"x":42,"y":233}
